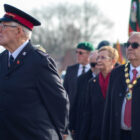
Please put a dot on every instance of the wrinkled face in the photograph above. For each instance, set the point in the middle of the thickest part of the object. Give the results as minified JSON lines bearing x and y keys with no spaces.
{"x":7,"y":33}
{"x":133,"y":54}
{"x":104,"y":62}
{"x":93,"y":62}
{"x":93,"y":59}
{"x":82,"y":56}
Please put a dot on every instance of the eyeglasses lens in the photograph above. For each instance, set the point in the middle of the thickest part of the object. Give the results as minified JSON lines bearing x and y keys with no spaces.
{"x":134,"y":45}
{"x":78,"y":52}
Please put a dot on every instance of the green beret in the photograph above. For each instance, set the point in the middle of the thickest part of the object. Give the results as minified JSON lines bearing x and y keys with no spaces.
{"x":85,"y":46}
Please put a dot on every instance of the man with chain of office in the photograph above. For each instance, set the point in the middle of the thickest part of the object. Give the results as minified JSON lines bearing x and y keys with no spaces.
{"x":122,"y":113}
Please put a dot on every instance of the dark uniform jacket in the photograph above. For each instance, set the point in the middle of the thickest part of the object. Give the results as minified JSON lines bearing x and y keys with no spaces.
{"x":70,"y":82}
{"x":93,"y":114}
{"x":113,"y":108}
{"x":33,"y":103}
{"x":70,"y":85}
{"x":79,"y":104}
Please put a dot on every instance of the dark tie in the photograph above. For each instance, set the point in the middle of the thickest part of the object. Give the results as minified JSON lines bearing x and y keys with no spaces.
{"x":83,"y":69}
{"x":127,"y":112}
{"x":11,"y":60}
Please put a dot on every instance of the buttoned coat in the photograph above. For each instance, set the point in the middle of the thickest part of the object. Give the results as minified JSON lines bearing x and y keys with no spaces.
{"x":70,"y":85}
{"x":93,"y":112}
{"x":79,"y":104}
{"x":33,"y":102}
{"x":70,"y":82}
{"x":113,"y":108}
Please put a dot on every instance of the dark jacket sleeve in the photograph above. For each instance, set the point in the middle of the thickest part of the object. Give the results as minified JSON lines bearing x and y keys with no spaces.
{"x":53,"y":94}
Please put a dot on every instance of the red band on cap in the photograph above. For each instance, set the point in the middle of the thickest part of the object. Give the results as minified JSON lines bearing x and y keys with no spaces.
{"x":21,"y":20}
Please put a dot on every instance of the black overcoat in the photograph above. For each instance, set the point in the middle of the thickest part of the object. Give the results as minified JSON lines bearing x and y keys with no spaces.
{"x":70,"y":85}
{"x":70,"y":82}
{"x":93,"y":114}
{"x":33,"y":102}
{"x":79,"y":104}
{"x":112,"y":116}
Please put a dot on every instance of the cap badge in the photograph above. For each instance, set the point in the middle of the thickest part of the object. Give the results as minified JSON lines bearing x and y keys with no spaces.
{"x":24,"y":53}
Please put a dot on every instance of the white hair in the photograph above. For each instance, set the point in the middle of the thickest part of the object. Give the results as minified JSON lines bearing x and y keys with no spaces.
{"x":134,"y":33}
{"x":27,"y":32}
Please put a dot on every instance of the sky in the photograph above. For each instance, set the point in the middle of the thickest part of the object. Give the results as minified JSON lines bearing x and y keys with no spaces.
{"x":116,"y":10}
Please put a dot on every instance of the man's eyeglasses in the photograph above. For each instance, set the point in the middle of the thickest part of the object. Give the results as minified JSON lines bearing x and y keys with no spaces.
{"x":79,"y":52}
{"x":93,"y":64}
{"x":3,"y":26}
{"x":134,"y":45}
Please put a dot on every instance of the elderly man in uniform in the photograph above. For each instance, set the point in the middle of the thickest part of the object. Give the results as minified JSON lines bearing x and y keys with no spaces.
{"x":33,"y":102}
{"x":122,"y":113}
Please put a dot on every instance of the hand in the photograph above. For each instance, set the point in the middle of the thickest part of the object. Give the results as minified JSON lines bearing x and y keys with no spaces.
{"x":72,"y":132}
{"x":65,"y":137}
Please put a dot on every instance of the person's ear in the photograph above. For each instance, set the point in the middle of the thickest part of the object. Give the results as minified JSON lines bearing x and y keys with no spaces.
{"x":19,"y":30}
{"x":113,"y":61}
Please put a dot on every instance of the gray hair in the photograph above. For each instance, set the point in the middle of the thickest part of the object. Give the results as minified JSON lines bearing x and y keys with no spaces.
{"x":134,"y":33}
{"x":27,"y":32}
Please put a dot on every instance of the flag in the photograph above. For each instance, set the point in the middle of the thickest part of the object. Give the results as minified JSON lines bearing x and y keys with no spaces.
{"x":134,"y":19}
{"x":121,"y":59}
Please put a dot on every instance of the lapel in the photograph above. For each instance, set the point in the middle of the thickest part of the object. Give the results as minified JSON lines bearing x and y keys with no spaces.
{"x":89,"y":74}
{"x":19,"y":61}
{"x":123,"y":79}
{"x":4,"y":63}
{"x":98,"y":88}
{"x":138,"y":83}
{"x":123,"y":82}
{"x":76,"y":69}
{"x":74,"y":73}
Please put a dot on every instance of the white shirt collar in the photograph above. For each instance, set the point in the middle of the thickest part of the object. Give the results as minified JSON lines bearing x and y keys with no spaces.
{"x":93,"y":74}
{"x":137,"y":68}
{"x":18,"y":50}
{"x":86,"y":66}
{"x":131,"y":69}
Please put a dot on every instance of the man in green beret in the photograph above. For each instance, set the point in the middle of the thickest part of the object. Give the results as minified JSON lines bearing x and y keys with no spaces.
{"x":73,"y":72}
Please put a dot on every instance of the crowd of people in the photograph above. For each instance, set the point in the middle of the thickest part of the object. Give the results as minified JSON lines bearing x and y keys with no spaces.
{"x":98,"y":99}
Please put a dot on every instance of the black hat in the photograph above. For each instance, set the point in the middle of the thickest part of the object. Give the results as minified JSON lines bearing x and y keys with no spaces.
{"x":14,"y":14}
{"x":102,"y":44}
{"x":85,"y":46}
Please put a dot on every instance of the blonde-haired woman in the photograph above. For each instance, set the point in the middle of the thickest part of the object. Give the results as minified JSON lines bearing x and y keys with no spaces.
{"x":96,"y":94}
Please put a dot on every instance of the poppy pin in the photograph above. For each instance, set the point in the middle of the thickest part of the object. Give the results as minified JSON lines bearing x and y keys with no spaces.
{"x":18,"y":62}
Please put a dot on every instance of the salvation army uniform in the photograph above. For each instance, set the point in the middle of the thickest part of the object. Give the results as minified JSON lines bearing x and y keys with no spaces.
{"x":33,"y":103}
{"x":32,"y":100}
